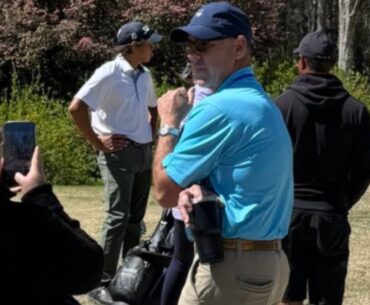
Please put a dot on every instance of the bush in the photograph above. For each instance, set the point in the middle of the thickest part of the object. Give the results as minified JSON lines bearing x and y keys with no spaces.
{"x":68,"y":158}
{"x":357,"y":85}
{"x":275,"y":76}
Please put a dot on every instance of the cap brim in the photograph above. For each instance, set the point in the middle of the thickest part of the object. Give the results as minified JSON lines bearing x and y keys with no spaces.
{"x":296,"y":51}
{"x":154,"y":38}
{"x":197,"y":31}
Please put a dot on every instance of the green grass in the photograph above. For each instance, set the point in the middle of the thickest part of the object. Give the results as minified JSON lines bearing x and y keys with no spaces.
{"x":86,"y":204}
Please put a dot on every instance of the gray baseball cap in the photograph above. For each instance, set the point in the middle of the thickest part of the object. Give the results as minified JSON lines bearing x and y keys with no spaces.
{"x":317,"y":45}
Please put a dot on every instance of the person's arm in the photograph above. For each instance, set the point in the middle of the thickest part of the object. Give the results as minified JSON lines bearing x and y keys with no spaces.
{"x":153,"y":120}
{"x":165,"y":190}
{"x":172,"y":108}
{"x":106,"y":143}
{"x":78,"y":259}
{"x":80,"y":115}
{"x":360,"y":163}
{"x":67,"y":259}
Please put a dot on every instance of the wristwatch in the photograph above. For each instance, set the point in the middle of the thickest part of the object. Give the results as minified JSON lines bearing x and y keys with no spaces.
{"x":166,"y":130}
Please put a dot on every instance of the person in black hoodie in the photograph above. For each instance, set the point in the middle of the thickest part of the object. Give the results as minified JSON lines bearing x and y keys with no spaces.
{"x":330,"y":132}
{"x":45,"y":256}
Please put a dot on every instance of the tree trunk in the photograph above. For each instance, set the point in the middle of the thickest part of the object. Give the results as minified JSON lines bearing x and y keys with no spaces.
{"x":322,"y":15}
{"x":347,"y":24}
{"x":311,"y":6}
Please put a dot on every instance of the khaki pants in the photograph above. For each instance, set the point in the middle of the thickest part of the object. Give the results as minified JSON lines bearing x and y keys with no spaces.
{"x":243,"y":278}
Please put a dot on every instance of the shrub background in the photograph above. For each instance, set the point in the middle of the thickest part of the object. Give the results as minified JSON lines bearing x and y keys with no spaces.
{"x":70,"y":160}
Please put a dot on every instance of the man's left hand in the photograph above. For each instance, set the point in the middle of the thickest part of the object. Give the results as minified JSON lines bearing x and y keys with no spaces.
{"x":190,"y":196}
{"x":34,"y":178}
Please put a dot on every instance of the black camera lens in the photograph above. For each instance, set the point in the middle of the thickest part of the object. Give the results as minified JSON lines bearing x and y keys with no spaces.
{"x":206,"y":221}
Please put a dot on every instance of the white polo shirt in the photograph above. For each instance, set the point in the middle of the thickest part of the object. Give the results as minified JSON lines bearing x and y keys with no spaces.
{"x":119,"y":101}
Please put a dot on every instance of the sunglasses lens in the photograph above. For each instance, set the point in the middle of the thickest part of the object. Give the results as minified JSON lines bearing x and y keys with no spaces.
{"x":196,"y":46}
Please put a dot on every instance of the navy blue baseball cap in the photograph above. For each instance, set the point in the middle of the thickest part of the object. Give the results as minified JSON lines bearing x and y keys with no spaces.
{"x":317,"y":45}
{"x":136,"y":31}
{"x":216,"y":20}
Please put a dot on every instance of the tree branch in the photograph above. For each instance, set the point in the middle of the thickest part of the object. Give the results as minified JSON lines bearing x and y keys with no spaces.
{"x":355,"y":7}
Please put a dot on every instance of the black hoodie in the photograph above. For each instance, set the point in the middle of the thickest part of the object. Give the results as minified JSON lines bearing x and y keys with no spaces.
{"x":330,"y":132}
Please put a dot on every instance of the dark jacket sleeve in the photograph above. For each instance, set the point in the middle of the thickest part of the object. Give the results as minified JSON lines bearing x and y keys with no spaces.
{"x":5,"y":193}
{"x":360,"y":165}
{"x":73,"y":260}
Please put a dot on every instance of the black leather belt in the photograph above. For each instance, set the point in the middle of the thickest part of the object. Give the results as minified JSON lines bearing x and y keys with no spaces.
{"x":132,"y":142}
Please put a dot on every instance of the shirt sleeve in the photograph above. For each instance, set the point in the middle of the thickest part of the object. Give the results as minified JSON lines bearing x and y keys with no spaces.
{"x":200,"y":149}
{"x":59,"y":238}
{"x":93,"y":92}
{"x":360,"y":163}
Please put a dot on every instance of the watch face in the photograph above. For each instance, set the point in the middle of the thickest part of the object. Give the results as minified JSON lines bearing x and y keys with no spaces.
{"x":164,"y":130}
{"x":167,"y":130}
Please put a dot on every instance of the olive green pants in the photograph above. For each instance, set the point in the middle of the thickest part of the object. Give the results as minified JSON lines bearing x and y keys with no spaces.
{"x":127,"y":176}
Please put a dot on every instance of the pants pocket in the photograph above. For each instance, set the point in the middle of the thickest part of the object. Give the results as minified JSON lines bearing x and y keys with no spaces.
{"x":254,"y":292}
{"x":255,"y":286}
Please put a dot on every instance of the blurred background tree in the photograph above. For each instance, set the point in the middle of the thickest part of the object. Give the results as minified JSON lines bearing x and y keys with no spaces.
{"x":61,"y":42}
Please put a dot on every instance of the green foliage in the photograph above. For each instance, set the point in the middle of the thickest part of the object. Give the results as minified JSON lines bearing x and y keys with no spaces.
{"x":275,"y":76}
{"x":357,"y":85}
{"x":162,"y":88}
{"x":67,"y":157}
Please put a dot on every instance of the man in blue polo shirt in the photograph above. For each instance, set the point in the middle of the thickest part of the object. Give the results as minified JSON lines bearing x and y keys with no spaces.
{"x":234,"y":142}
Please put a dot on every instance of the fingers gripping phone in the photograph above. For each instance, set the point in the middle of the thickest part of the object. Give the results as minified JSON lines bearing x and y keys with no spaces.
{"x":18,"y":146}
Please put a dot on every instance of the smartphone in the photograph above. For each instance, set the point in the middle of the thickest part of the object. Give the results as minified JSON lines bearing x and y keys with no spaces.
{"x":18,"y":146}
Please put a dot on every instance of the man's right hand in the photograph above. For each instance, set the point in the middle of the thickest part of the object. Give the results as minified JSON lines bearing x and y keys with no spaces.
{"x":111,"y":143}
{"x":79,"y":111}
{"x":173,"y":106}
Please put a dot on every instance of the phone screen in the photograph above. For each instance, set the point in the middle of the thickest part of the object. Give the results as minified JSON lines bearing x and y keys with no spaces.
{"x":19,"y":144}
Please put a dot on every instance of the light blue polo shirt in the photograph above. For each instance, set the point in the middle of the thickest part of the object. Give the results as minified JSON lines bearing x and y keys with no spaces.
{"x":236,"y":141}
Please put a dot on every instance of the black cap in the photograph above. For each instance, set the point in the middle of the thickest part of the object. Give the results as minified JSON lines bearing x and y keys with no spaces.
{"x":136,"y":31}
{"x":214,"y":21}
{"x":317,"y":45}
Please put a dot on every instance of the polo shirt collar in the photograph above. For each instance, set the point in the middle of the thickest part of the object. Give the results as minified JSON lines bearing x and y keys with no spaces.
{"x":246,"y":72}
{"x":126,"y":67}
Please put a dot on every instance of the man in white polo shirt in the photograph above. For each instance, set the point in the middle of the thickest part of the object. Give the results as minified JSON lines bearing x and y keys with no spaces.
{"x":120,"y":128}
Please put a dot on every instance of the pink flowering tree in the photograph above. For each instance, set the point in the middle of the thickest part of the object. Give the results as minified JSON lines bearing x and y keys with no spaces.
{"x":63,"y":41}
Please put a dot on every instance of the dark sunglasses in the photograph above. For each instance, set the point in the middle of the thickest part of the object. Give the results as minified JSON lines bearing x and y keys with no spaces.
{"x":197,"y":46}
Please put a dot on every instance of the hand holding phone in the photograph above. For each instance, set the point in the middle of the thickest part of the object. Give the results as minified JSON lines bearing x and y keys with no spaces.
{"x":34,"y":178}
{"x":18,"y":147}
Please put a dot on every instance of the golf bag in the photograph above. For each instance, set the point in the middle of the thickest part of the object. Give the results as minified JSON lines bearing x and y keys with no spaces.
{"x":139,"y":280}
